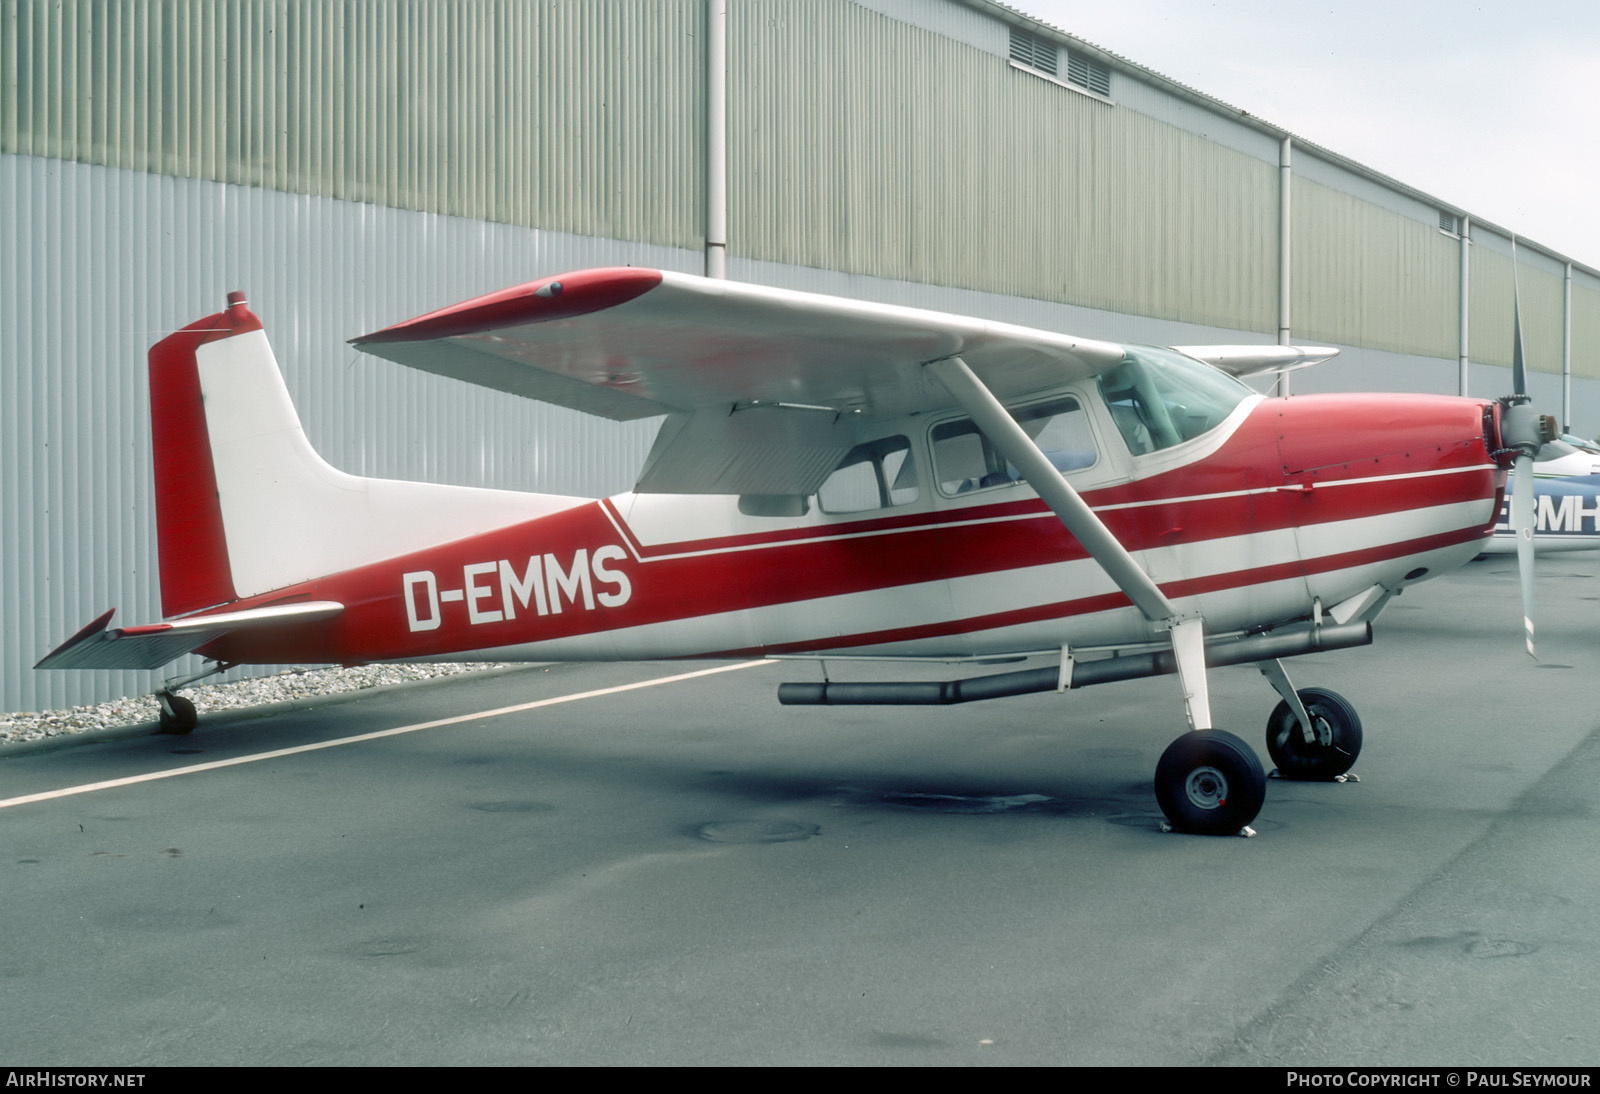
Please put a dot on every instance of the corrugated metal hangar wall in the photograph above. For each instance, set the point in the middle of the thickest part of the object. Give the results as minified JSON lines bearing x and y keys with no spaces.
{"x":350,"y":164}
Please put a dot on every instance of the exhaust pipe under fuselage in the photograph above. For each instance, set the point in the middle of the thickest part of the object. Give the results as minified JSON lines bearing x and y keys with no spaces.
{"x":1130,"y":666}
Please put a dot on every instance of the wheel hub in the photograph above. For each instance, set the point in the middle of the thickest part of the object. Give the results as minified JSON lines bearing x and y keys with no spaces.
{"x":1322,"y":731}
{"x":1207,"y":788}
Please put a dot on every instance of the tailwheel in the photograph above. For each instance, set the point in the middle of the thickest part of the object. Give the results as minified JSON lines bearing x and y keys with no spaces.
{"x":1209,"y":782}
{"x":1336,"y":731}
{"x":178,"y":715}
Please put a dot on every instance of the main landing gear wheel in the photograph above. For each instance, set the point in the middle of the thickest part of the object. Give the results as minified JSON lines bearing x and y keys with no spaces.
{"x":177,"y":713}
{"x":1210,"y":783}
{"x":1338,"y":737}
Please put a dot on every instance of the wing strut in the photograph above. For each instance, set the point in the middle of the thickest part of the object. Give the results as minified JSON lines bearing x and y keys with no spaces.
{"x":1188,"y":636}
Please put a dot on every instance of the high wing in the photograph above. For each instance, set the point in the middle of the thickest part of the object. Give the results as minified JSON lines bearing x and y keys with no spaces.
{"x":744,"y":371}
{"x":765,"y":388}
{"x":102,"y":646}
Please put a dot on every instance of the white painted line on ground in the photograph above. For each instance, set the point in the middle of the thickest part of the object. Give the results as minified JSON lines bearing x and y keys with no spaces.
{"x":212,"y":765}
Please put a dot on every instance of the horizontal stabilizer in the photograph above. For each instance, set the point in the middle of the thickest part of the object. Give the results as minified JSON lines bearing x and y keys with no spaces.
{"x":102,"y":646}
{"x":1250,"y":360}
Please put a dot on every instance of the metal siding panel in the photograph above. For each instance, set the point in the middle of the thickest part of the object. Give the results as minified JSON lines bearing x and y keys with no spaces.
{"x":105,"y":261}
{"x":873,"y":146}
{"x":1491,"y":296}
{"x":1308,"y":164}
{"x":1543,"y":317}
{"x":1585,"y":332}
{"x":405,"y":105}
{"x":951,"y":20}
{"x":11,"y":20}
{"x":1366,"y":276}
{"x":1187,"y":228}
{"x":1543,"y":309}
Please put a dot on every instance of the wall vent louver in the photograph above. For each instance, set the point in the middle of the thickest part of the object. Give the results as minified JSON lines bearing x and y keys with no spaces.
{"x":1033,"y":51}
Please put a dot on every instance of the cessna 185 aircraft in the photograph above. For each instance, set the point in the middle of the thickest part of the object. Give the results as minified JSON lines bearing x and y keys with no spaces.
{"x":833,"y":478}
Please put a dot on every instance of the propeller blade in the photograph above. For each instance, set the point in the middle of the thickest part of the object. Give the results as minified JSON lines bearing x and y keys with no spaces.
{"x":1519,"y":371}
{"x":1535,"y":431}
{"x":1522,"y":513}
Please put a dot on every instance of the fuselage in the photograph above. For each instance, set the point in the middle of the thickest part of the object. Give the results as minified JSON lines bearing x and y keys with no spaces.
{"x":922,"y":545}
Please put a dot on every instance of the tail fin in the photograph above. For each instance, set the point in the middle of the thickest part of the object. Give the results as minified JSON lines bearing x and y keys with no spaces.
{"x":244,"y":505}
{"x":190,"y":542}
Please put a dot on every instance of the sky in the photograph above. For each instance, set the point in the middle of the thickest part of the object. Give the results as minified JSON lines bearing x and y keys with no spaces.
{"x":1493,"y":107}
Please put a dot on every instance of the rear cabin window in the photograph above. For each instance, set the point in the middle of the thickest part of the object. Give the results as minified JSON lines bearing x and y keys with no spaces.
{"x":879,"y":474}
{"x":965,"y":460}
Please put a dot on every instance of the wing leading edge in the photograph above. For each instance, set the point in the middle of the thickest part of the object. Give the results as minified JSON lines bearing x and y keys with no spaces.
{"x":746,"y":372}
{"x":649,"y":342}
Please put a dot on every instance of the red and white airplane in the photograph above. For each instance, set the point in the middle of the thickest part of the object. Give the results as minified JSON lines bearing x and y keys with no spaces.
{"x":833,"y":479}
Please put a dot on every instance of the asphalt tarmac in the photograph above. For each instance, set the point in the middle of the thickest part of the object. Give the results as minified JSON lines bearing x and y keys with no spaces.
{"x":687,"y":873}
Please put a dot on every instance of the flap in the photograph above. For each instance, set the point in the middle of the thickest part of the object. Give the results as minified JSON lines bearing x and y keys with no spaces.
{"x":759,"y":450}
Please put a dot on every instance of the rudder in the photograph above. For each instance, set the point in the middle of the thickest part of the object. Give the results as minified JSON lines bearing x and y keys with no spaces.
{"x":191,"y":544}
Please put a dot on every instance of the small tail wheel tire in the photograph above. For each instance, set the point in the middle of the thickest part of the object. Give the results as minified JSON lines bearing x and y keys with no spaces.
{"x":178,"y":715}
{"x":1335,"y":726}
{"x":1210,"y":783}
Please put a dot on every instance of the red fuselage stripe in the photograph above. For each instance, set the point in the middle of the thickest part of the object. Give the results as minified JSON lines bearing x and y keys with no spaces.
{"x":1109,"y":601}
{"x":585,"y":571}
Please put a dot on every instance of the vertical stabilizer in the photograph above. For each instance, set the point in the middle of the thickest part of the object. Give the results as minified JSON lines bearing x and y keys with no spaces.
{"x":191,"y":544}
{"x":245,"y":505}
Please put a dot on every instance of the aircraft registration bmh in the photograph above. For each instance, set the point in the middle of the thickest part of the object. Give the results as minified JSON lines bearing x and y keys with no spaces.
{"x":1566,"y":487}
{"x":833,"y":478}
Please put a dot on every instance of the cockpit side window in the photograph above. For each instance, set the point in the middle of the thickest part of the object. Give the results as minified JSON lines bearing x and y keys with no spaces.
{"x":964,"y":460}
{"x":1160,"y":398}
{"x":879,"y":474}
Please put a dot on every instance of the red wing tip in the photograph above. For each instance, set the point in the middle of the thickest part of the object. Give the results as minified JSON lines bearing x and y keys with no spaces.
{"x":560,"y":297}
{"x":98,"y":624}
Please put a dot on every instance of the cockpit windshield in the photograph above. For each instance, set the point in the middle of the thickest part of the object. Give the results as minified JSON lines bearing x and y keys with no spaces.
{"x":1160,"y":398}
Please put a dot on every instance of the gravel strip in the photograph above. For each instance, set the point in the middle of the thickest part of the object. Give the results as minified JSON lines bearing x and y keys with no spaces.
{"x":296,"y":683}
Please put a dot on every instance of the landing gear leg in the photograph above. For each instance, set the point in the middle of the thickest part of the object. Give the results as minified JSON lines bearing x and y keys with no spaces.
{"x":1208,"y":781}
{"x":178,"y":715}
{"x":1314,"y":734}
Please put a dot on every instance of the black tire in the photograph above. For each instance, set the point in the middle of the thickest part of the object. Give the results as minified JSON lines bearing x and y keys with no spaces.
{"x":1338,"y":730}
{"x":1210,"y":783}
{"x":183,"y":717}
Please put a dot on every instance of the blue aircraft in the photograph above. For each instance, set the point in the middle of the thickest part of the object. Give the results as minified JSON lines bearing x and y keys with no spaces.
{"x":1566,"y":488}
